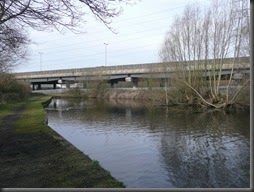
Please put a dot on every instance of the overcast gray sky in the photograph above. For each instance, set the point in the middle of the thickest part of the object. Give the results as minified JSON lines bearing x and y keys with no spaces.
{"x":140,"y":32}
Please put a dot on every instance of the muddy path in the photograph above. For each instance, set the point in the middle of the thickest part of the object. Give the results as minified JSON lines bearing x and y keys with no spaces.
{"x":7,"y":131}
{"x":8,"y":146}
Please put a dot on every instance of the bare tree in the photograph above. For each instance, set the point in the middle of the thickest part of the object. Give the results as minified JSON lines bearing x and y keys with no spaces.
{"x":42,"y":14}
{"x":13,"y":41}
{"x":17,"y":15}
{"x":206,"y":37}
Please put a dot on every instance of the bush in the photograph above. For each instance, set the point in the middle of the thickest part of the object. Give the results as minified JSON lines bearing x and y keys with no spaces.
{"x":180,"y":94}
{"x":76,"y":92}
{"x":11,"y":89}
{"x":244,"y":96}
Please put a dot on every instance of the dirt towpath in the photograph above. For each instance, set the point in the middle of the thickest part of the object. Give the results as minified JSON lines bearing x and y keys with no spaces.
{"x":7,"y":131}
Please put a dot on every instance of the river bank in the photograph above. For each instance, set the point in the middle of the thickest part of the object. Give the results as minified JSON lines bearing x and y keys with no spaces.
{"x":155,"y":97}
{"x":35,"y":156}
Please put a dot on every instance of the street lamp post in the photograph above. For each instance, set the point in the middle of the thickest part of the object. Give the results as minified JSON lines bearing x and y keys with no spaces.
{"x":105,"y":53}
{"x":40,"y":61}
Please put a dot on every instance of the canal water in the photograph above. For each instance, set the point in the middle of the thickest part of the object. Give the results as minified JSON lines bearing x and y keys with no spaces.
{"x":158,"y":147}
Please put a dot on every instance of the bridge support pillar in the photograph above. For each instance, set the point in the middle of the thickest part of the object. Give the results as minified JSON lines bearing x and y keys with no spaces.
{"x":112,"y":83}
{"x":54,"y":104}
{"x":68,"y":85}
{"x":54,"y":85}
{"x":39,"y":86}
{"x":135,"y":82}
{"x":33,"y":85}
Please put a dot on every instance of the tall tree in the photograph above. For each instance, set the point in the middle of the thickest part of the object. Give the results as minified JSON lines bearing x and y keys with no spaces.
{"x":207,"y":37}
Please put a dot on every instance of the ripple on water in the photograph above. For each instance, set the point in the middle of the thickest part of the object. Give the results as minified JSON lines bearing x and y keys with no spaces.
{"x":161,"y":148}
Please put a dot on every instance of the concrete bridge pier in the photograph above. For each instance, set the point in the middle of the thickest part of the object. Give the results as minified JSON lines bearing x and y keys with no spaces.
{"x":39,"y":86}
{"x":113,"y":82}
{"x":135,"y":82}
{"x":36,"y":86}
{"x":68,"y":85}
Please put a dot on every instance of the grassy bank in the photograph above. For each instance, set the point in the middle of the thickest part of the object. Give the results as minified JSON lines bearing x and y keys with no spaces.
{"x":7,"y":109}
{"x":33,"y":155}
{"x":175,"y":97}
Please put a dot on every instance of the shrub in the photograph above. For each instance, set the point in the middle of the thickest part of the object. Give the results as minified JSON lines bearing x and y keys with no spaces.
{"x":76,"y":92}
{"x":11,"y":89}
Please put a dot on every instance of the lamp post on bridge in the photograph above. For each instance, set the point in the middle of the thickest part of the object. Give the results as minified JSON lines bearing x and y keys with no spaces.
{"x":105,"y":53}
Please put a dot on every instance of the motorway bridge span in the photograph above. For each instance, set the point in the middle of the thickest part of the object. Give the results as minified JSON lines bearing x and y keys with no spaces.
{"x":114,"y":74}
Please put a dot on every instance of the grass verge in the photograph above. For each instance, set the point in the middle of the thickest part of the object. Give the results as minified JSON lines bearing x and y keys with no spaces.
{"x":35,"y":156}
{"x":8,"y":108}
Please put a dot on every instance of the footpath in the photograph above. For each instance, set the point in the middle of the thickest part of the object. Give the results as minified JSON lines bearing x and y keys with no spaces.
{"x":32,"y":155}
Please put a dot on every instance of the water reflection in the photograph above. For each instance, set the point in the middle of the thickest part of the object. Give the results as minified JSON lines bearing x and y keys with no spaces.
{"x":157,"y":147}
{"x":210,"y":152}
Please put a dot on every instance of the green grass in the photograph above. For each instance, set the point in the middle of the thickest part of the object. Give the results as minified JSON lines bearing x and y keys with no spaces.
{"x":38,"y":157}
{"x":9,"y":108}
{"x":33,"y":117}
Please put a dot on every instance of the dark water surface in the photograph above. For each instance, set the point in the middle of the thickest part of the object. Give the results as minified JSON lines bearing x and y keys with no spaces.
{"x":158,"y":147}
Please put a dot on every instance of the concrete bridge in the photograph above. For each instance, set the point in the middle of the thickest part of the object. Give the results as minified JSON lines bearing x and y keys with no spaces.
{"x":131,"y":73}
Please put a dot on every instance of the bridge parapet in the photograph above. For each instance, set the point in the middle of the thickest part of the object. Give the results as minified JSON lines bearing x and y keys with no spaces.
{"x":165,"y":67}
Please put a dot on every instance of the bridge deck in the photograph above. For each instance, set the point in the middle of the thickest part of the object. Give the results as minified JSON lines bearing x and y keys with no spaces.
{"x":148,"y":68}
